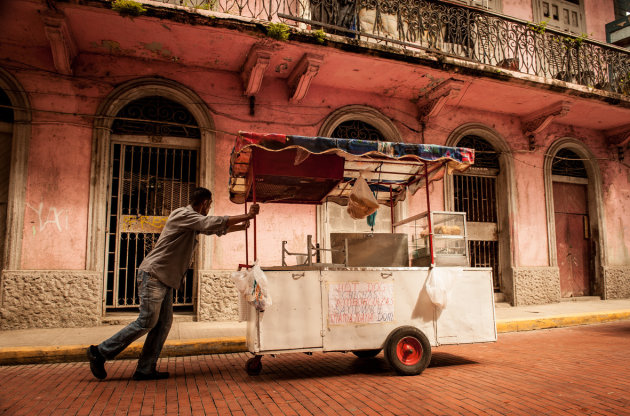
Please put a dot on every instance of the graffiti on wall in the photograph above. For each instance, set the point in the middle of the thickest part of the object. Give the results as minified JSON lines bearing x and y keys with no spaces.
{"x":50,"y":218}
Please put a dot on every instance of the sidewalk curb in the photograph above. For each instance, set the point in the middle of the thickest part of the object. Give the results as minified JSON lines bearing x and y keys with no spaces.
{"x":72,"y":353}
{"x":226,"y":345}
{"x":560,"y":321}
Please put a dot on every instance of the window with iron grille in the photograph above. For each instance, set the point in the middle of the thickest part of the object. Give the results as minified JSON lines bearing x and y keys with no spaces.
{"x":357,"y":129}
{"x":156,"y":116}
{"x":147,"y":184}
{"x":568,"y":163}
{"x":475,"y":194}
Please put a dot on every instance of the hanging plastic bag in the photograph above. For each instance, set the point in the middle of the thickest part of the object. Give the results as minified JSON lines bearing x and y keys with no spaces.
{"x":361,"y":202}
{"x":253,"y":285}
{"x":439,"y":284}
{"x":241,"y":280}
{"x":260,"y":296}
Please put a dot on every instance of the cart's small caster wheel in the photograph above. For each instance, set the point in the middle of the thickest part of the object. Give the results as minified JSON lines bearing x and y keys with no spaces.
{"x":366,"y":353}
{"x":254,"y":365}
{"x":408,"y":351}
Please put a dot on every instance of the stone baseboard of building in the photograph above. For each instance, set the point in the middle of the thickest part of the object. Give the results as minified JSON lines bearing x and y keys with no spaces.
{"x":218,"y":298}
{"x":50,"y":299}
{"x":536,"y":285}
{"x":617,"y":282}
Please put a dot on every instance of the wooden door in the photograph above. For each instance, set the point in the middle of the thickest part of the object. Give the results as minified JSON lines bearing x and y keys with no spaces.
{"x":572,"y":238}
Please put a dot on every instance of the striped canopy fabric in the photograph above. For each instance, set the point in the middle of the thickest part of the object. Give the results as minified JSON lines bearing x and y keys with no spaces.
{"x":299,"y":169}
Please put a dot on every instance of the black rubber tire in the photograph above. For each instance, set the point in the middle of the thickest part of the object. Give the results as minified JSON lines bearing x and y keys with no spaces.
{"x":253,"y":366}
{"x":417,"y":346}
{"x":366,"y":353}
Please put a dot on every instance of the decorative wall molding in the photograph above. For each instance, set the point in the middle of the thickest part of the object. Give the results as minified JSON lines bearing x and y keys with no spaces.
{"x":254,"y":68}
{"x":62,"y":44}
{"x":537,"y":121}
{"x":300,"y":79}
{"x":431,"y":103}
{"x":619,"y":138}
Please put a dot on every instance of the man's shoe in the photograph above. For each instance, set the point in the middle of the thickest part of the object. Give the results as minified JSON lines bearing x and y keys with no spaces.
{"x":97,"y":362}
{"x":154,"y":375}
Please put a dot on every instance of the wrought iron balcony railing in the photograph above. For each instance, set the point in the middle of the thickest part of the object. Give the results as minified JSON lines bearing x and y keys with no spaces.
{"x":467,"y":32}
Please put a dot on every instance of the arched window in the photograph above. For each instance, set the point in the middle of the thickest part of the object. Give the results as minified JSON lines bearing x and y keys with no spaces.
{"x":357,"y":129}
{"x":6,"y":113}
{"x":156,"y":116}
{"x":568,"y":163}
{"x":485,"y":155}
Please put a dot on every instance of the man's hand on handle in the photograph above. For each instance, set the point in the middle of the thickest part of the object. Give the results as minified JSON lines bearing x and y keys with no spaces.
{"x":241,"y":222}
{"x":254,"y":210}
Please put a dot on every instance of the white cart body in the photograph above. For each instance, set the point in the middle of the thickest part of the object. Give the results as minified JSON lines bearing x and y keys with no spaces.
{"x":348,"y":309}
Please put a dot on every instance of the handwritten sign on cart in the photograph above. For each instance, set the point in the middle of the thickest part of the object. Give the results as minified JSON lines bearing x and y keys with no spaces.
{"x":360,"y":302}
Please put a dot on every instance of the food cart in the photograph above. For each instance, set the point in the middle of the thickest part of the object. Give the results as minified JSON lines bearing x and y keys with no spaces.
{"x":380,"y":291}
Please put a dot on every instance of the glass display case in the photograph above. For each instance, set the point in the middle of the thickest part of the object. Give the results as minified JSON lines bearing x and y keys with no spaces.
{"x":450,"y":238}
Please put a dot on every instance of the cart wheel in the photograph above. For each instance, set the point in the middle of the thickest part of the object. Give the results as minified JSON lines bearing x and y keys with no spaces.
{"x":254,"y":365}
{"x":366,"y":353}
{"x":408,"y":351}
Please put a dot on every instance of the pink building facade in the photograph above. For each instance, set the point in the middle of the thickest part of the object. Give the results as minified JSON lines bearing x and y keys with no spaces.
{"x":107,"y":121}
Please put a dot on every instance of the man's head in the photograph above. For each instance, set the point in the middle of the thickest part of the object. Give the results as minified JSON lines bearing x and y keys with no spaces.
{"x":200,"y":200}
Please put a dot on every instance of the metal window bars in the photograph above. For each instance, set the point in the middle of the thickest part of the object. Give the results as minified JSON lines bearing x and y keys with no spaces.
{"x":147,"y":184}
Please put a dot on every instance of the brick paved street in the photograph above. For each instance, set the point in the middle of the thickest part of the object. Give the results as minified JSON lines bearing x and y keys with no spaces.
{"x":570,"y":371}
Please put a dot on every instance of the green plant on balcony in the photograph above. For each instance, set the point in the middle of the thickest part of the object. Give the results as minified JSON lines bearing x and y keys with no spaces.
{"x":204,"y":5}
{"x":278,"y":31}
{"x":574,"y":41}
{"x":128,"y":8}
{"x":319,"y":35}
{"x":539,"y":28}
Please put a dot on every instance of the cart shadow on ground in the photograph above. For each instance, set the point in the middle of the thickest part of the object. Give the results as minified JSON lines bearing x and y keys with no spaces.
{"x":339,"y":364}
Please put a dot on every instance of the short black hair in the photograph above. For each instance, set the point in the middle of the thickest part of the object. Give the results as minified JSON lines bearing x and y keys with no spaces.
{"x":199,"y":195}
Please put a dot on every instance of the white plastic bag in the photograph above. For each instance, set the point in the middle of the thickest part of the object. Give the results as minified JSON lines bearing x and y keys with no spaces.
{"x":241,"y":280}
{"x":361,"y":202}
{"x":252,"y":284}
{"x":260,"y":296}
{"x":439,"y":284}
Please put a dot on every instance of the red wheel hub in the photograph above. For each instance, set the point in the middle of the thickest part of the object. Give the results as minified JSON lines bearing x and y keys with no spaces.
{"x":409,"y":351}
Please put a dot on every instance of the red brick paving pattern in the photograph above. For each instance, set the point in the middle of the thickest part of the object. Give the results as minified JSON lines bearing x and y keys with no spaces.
{"x":570,"y":371}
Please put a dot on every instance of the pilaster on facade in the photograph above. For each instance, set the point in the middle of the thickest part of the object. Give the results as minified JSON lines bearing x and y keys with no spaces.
{"x":254,"y":68}
{"x":62,"y":43}
{"x":300,"y":79}
{"x":536,"y":122}
{"x":432,"y":102}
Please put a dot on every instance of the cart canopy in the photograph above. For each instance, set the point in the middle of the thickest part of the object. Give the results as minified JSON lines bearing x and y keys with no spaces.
{"x":311,"y":170}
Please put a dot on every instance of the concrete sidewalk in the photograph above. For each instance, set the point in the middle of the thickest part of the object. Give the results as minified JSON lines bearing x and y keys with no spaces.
{"x":195,"y":338}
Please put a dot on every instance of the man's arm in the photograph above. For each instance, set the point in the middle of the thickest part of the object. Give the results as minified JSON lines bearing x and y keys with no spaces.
{"x":238,"y":227}
{"x":244,"y":218}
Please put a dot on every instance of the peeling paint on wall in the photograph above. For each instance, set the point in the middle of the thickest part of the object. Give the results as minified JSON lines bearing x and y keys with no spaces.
{"x":158,"y":49}
{"x":111,"y":46}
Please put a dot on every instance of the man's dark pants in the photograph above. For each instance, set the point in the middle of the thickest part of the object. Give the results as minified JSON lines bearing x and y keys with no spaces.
{"x":156,"y":317}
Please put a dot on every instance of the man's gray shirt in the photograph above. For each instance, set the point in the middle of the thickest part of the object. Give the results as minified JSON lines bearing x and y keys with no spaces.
{"x":172,"y":254}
